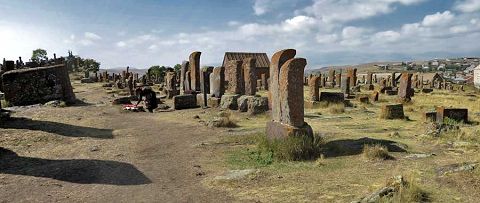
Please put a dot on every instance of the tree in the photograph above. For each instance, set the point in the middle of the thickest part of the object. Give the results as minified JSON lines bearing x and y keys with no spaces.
{"x":157,"y":71}
{"x":91,"y":65}
{"x":39,"y":55}
{"x":177,"y":68}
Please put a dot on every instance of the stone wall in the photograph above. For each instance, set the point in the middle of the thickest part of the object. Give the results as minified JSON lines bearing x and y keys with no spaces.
{"x":37,"y":85}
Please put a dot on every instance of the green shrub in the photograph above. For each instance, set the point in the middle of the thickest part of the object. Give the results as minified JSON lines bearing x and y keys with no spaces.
{"x":294,"y":148}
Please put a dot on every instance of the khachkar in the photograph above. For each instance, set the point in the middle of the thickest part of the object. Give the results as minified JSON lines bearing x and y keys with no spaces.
{"x":170,"y":84}
{"x":183,"y":76}
{"x":286,"y":89}
{"x":405,"y":92}
{"x":195,"y":71}
{"x":250,"y":76}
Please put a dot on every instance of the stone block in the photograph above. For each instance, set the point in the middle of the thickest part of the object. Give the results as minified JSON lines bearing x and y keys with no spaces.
{"x":392,"y":111}
{"x":186,"y":101}
{"x":456,"y":114}
{"x":243,"y":103}
{"x":427,"y":90}
{"x":229,"y":101}
{"x":257,"y":105}
{"x":213,"y":102}
{"x":430,"y":116}
{"x":332,"y":97}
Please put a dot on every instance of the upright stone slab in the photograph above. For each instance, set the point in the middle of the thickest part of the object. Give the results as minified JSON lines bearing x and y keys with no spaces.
{"x":194,"y":62}
{"x":250,"y":76}
{"x":393,"y":111}
{"x":405,"y":92}
{"x":278,"y":59}
{"x":323,"y":81}
{"x":458,"y":115}
{"x":291,"y":92}
{"x":338,"y":78}
{"x":346,"y":86}
{"x":394,"y":80}
{"x":205,"y":81}
{"x":313,"y":86}
{"x":331,"y":78}
{"x":183,"y":72}
{"x":264,"y":81}
{"x":352,"y":74}
{"x":235,"y":75}
{"x":170,"y":84}
{"x":369,"y":81}
{"x":217,"y":82}
{"x":187,"y":82}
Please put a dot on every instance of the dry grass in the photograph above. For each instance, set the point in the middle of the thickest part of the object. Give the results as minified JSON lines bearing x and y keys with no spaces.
{"x":224,"y":121}
{"x":294,"y":148}
{"x":336,"y":108}
{"x":375,"y":152}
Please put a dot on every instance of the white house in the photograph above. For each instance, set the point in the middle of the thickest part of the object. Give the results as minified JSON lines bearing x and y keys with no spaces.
{"x":476,"y":76}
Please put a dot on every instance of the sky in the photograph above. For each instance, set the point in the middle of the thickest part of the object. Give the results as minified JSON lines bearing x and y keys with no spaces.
{"x":142,"y":33}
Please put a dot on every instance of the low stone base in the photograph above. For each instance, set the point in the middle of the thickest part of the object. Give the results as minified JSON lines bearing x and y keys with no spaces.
{"x":362,"y":99}
{"x":374,"y":96}
{"x":243,"y":103}
{"x":257,"y":105}
{"x":391,"y":92}
{"x":171,"y":93}
{"x":187,"y":101}
{"x":277,"y":130}
{"x":458,"y":115}
{"x":213,"y":102}
{"x":332,"y":97}
{"x":229,"y":101}
{"x":430,"y":116}
{"x":393,"y":111}
{"x":425,"y":90}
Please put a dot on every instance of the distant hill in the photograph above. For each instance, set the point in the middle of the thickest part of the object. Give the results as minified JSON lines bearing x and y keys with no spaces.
{"x":365,"y":67}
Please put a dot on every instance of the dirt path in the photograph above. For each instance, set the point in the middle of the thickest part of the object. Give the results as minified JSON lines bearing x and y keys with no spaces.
{"x":103,"y":155}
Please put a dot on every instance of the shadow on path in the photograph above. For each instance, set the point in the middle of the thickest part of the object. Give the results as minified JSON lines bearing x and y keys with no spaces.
{"x":348,"y":147}
{"x":57,"y":128}
{"x":82,"y":171}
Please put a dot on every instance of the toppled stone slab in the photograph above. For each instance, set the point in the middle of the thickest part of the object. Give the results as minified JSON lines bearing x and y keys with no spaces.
{"x":236,"y":174}
{"x":396,"y":183}
{"x":419,"y":156}
{"x":122,"y":100}
{"x":455,"y":168}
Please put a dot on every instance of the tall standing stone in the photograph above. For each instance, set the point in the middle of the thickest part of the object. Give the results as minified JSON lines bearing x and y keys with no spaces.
{"x":291,"y":92}
{"x":286,"y":89}
{"x":352,"y":74}
{"x":183,"y":71}
{"x":394,"y":79}
{"x":331,"y":78}
{"x":194,"y":62}
{"x":278,"y":59}
{"x":170,"y":84}
{"x":339,"y":79}
{"x":250,"y":76}
{"x":187,"y":82}
{"x":369,"y":81}
{"x":346,"y":86}
{"x":405,"y":91}
{"x":205,"y":79}
{"x":217,"y":82}
{"x":313,"y":86}
{"x":264,"y":81}
{"x":235,"y":75}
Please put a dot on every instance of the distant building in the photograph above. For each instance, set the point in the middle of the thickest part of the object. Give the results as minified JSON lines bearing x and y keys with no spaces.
{"x":476,"y":76}
{"x":262,"y":62}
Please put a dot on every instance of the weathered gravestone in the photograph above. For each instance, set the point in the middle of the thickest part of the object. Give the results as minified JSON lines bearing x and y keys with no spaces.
{"x":264,"y":81}
{"x":331,"y":78}
{"x":194,"y":62}
{"x":314,"y":94}
{"x":338,"y":78}
{"x":170,"y":84}
{"x":250,"y":76}
{"x":205,"y":81}
{"x":37,"y":85}
{"x":346,"y":86}
{"x":405,"y":91}
{"x":235,"y":75}
{"x":217,"y":82}
{"x":286,"y":90}
{"x":369,"y":81}
{"x":183,"y":76}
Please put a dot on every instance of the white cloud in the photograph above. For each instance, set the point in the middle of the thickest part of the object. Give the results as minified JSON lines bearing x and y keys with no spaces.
{"x":438,"y":19}
{"x":233,"y":23}
{"x":260,"y":7}
{"x":121,"y":44}
{"x":331,"y":11}
{"x":326,"y":38}
{"x":468,"y":6}
{"x":91,"y":36}
{"x":387,"y":36}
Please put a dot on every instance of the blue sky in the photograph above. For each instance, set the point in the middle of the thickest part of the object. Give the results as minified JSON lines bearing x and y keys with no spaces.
{"x":326,"y":32}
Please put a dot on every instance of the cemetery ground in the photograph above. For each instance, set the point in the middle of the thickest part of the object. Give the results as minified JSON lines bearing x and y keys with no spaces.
{"x":95,"y":151}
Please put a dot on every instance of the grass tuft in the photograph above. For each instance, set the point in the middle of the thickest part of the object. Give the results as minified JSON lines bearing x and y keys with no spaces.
{"x":376,"y":152}
{"x":336,"y":108}
{"x":294,"y":148}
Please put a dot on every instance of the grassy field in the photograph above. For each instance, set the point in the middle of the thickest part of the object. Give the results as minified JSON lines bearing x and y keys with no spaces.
{"x":342,"y":172}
